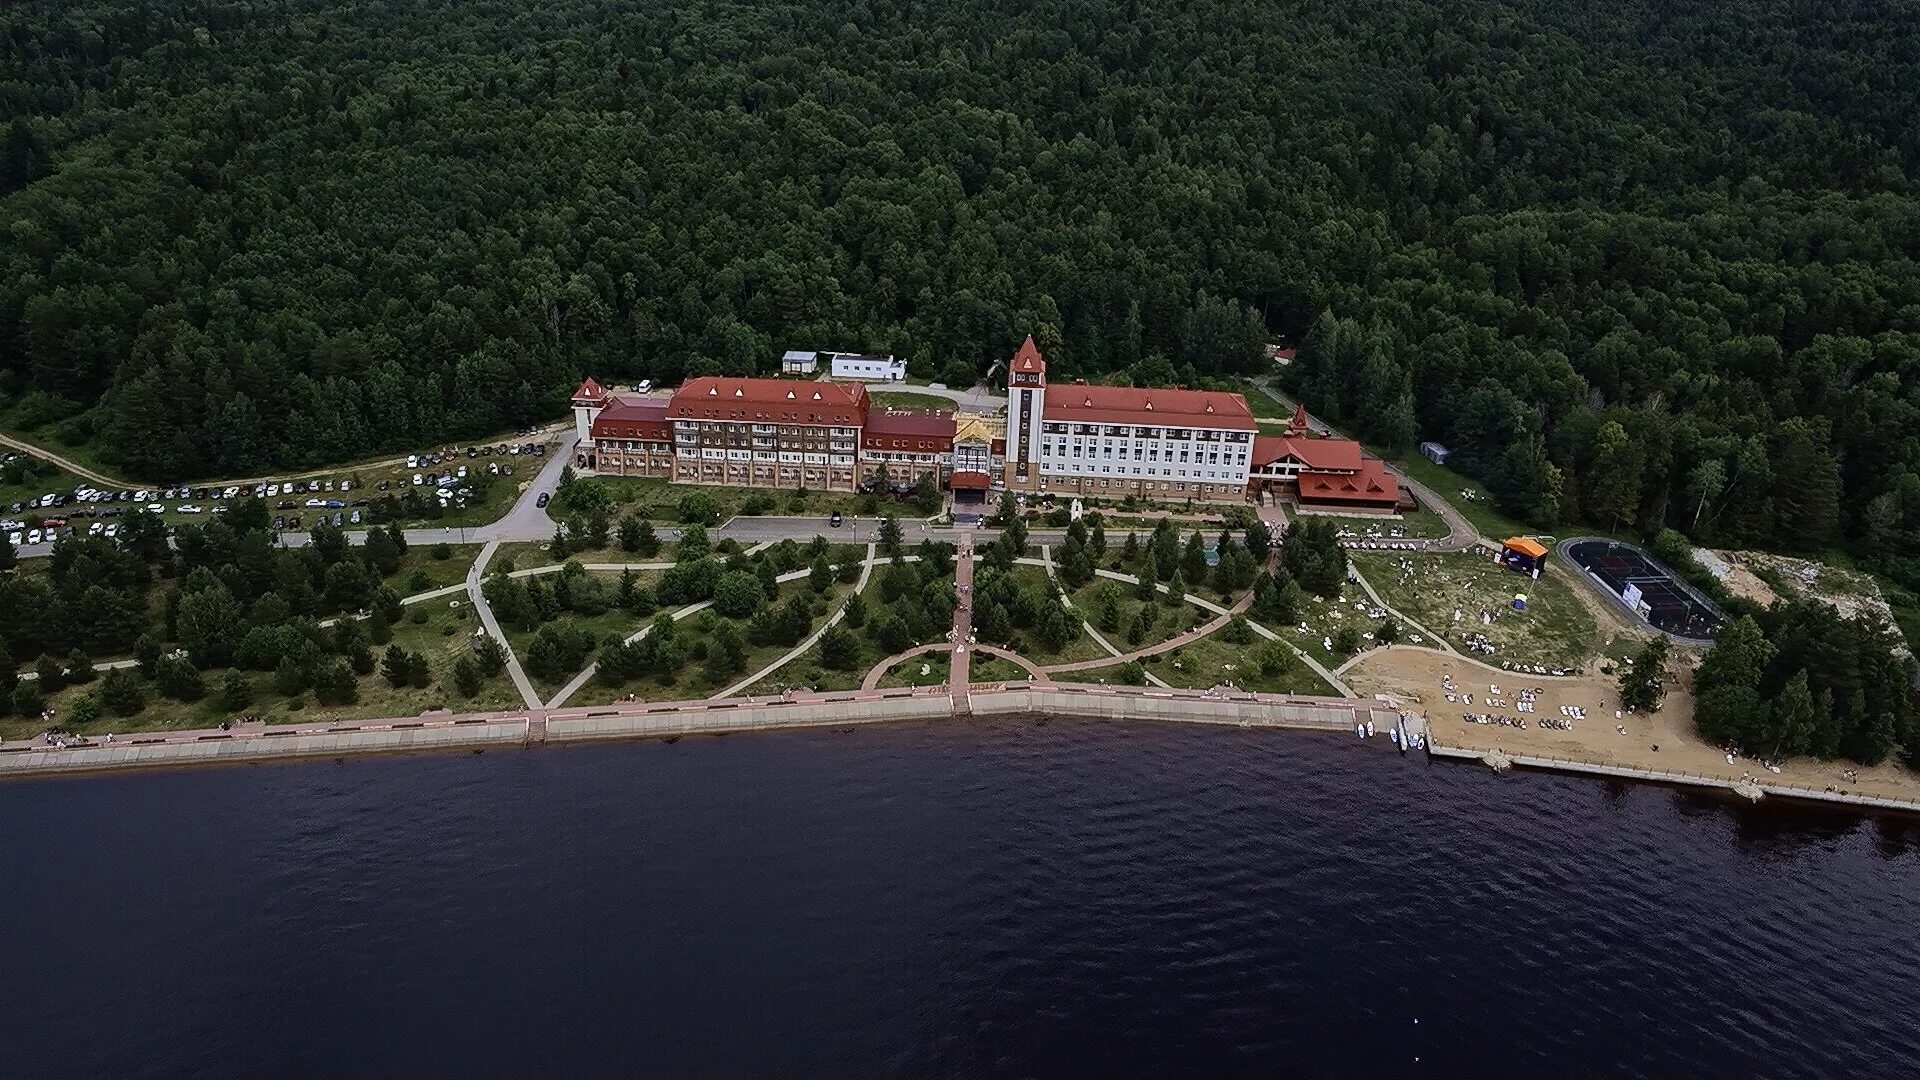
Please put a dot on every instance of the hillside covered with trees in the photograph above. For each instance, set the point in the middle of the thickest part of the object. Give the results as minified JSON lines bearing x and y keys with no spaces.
{"x":1641,"y":263}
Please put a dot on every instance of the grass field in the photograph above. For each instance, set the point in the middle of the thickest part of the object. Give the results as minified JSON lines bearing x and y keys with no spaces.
{"x":907,"y":399}
{"x":433,"y":573}
{"x":442,"y":639}
{"x":659,"y":501}
{"x":1210,"y":661}
{"x":1556,"y":630}
{"x":1163,"y":620}
{"x":1418,"y":524}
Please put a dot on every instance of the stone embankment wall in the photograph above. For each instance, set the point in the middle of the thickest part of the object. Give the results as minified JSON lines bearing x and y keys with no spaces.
{"x":706,"y":719}
{"x":271,"y":744}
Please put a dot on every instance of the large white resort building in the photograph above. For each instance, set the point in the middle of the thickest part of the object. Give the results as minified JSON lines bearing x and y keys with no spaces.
{"x":1068,"y":439}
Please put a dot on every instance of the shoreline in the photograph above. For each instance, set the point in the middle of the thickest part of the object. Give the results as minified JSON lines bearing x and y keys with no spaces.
{"x":672,"y":720}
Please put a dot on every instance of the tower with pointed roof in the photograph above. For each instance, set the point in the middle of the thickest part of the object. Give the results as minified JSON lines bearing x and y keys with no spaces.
{"x":1026,"y":400}
{"x":588,"y":400}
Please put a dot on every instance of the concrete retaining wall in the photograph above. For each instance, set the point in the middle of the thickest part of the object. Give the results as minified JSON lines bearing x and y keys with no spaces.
{"x":257,"y":746}
{"x":1145,"y":705}
{"x":609,"y":724}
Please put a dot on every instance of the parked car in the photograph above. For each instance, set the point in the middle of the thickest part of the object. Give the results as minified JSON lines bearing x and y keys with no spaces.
{"x":542,"y":500}
{"x":313,"y":504}
{"x":112,"y":531}
{"x":413,"y":461}
{"x":417,"y":481}
{"x":17,"y":538}
{"x":33,"y":536}
{"x":156,"y":508}
{"x":346,"y":485}
{"x":293,"y":522}
{"x":334,"y":504}
{"x":835,"y":519}
{"x":189,"y":508}
{"x":473,"y":451}
{"x":354,"y":517}
{"x":280,"y":522}
{"x":383,"y":485}
{"x":338,"y":520}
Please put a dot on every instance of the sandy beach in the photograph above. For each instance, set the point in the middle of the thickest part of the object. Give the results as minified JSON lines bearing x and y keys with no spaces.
{"x":1416,"y":675}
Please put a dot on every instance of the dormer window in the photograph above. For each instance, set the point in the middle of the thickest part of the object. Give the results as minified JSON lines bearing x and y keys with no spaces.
{"x":790,"y":395}
{"x":713,"y":391}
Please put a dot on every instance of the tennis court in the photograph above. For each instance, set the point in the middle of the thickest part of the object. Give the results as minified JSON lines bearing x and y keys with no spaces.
{"x":1646,"y":588}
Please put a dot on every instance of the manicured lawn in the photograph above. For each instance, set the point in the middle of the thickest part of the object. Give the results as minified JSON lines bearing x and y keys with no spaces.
{"x":1324,"y":619}
{"x":907,"y":399}
{"x":908,"y":672}
{"x":1163,"y":620}
{"x":692,"y":682}
{"x":1262,"y":403}
{"x":1556,"y":630}
{"x":1481,"y":509}
{"x":442,"y":639}
{"x":611,"y":621}
{"x":991,"y":669}
{"x":1213,"y":660}
{"x":1416,"y":524}
{"x":529,"y":554}
{"x":439,"y":572}
{"x":659,"y":501}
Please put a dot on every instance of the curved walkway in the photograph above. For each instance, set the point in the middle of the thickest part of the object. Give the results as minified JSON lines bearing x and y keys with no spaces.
{"x":1367,"y":586}
{"x":866,"y":571}
{"x":879,"y":671}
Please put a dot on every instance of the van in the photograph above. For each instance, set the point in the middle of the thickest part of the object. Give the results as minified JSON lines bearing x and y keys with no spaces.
{"x":645,"y":387}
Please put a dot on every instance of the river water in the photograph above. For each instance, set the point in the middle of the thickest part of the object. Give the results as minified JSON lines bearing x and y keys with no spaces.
{"x":997,"y":899}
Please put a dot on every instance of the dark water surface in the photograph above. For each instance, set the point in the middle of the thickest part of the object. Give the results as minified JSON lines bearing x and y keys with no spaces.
{"x":999,"y":899}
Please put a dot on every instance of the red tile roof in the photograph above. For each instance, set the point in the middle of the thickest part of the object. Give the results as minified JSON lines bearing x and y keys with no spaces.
{"x":967,"y":479}
{"x":1373,"y":485}
{"x":770,"y":401}
{"x":1323,"y":455}
{"x":908,"y":432}
{"x":1028,"y":357}
{"x":1075,"y":403}
{"x":633,"y":418}
{"x":590,"y":391}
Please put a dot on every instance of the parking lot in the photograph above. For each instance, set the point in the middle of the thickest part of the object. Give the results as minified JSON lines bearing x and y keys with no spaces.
{"x":451,"y":486}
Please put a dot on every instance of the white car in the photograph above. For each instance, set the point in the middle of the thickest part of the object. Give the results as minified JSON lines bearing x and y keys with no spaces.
{"x":156,"y":508}
{"x":346,"y":485}
{"x":33,"y":537}
{"x":17,"y":538}
{"x":645,"y":387}
{"x":113,"y":530}
{"x":417,"y":480}
{"x":311,"y":503}
{"x":272,"y":490}
{"x":413,"y":461}
{"x":140,"y":496}
{"x":463,"y":472}
{"x":188,"y":508}
{"x":230,"y":492}
{"x":94,"y":529}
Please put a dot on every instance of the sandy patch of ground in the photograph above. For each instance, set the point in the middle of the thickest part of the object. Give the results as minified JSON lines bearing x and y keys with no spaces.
{"x":1416,"y":675}
{"x":1739,"y":580}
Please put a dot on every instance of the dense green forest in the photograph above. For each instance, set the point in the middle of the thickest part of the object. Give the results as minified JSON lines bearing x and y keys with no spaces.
{"x":1641,"y":263}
